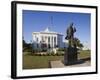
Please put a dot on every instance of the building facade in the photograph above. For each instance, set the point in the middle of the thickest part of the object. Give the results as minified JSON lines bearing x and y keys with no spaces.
{"x":47,"y":39}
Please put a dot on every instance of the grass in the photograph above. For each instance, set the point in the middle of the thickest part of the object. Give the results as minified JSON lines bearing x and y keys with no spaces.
{"x":31,"y":62}
{"x":36,"y":62}
{"x":84,"y":54}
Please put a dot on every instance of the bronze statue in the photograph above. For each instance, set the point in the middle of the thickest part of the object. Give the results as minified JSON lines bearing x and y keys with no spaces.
{"x":70,"y":34}
{"x":70,"y":56}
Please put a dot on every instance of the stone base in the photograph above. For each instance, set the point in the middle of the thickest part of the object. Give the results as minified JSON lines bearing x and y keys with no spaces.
{"x":70,"y":56}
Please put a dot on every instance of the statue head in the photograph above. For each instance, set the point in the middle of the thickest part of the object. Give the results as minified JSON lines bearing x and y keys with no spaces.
{"x":71,"y":24}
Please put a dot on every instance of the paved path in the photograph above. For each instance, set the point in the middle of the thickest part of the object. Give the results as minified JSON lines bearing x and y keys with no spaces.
{"x":59,"y":64}
{"x":56,"y":64}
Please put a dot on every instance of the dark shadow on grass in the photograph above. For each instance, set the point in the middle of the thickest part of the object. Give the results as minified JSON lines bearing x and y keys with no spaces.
{"x":80,"y":61}
{"x":86,"y":59}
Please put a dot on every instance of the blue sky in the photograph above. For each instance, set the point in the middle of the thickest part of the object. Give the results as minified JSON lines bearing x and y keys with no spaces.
{"x":35,"y":21}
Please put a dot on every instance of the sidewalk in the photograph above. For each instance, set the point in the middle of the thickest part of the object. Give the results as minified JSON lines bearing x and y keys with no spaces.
{"x":56,"y":64}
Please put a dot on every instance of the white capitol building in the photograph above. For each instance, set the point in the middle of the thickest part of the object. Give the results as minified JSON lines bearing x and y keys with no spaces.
{"x":49,"y":38}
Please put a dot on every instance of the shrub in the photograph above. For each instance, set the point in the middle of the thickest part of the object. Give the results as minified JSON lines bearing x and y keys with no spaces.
{"x":59,"y":54}
{"x":48,"y":54}
{"x":61,"y":49}
{"x":27,"y":50}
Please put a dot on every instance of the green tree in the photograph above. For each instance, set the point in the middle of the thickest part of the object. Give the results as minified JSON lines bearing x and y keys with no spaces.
{"x":27,"y":46}
{"x":81,"y":46}
{"x":78,"y":43}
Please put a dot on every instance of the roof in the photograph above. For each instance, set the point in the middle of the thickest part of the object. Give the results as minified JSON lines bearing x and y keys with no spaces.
{"x":47,"y":31}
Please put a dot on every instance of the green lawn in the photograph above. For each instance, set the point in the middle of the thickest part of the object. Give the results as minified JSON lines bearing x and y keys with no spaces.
{"x":33,"y":62}
{"x":30,"y":62}
{"x":84,"y":54}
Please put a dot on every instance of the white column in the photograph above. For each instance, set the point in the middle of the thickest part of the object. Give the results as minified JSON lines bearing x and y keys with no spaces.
{"x":47,"y":41}
{"x":53,"y":41}
{"x":56,"y":41}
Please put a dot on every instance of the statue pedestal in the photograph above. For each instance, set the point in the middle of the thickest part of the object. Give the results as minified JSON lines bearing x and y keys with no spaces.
{"x":70,"y":56}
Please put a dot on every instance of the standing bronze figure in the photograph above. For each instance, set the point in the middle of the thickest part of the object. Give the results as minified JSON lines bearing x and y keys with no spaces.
{"x":70,"y":34}
{"x":70,"y":56}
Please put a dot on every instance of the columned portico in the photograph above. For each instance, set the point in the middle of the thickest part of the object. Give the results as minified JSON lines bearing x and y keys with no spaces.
{"x":47,"y":38}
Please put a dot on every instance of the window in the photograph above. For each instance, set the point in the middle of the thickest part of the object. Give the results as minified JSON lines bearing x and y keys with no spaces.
{"x":54,"y":41}
{"x":48,"y":39}
{"x":37,"y":40}
{"x":37,"y":45}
